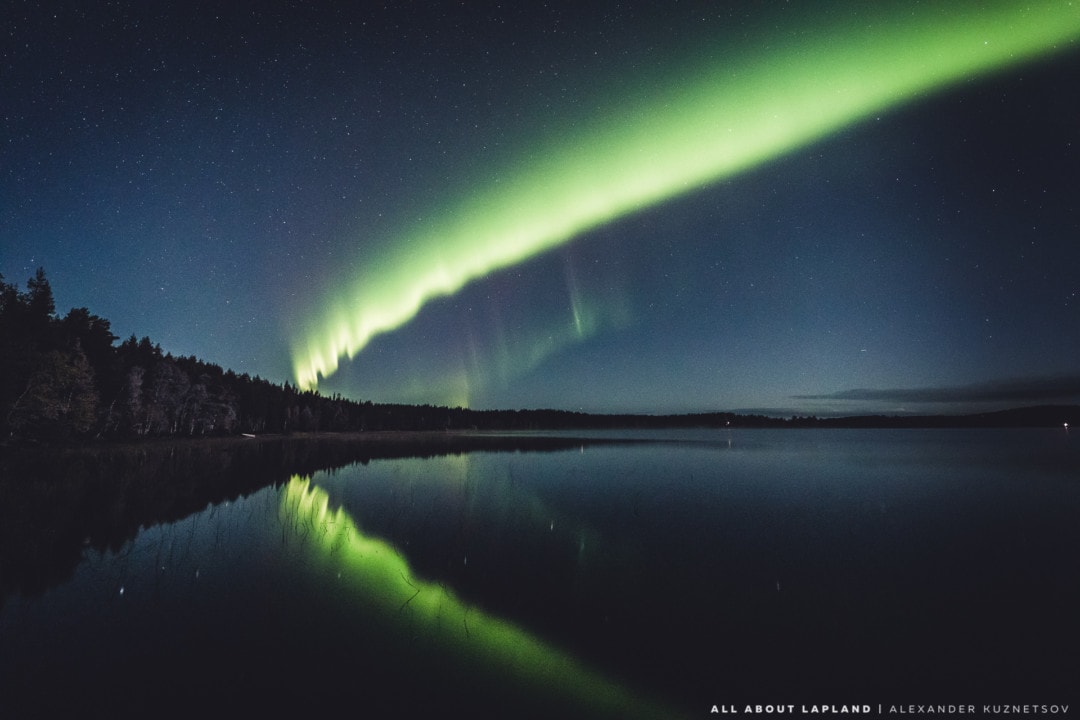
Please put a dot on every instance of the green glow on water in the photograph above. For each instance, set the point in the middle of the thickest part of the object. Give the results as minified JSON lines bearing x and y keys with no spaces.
{"x":386,"y":588}
{"x":647,"y":148}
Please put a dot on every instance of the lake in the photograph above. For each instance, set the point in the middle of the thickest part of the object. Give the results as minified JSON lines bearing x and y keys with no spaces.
{"x":648,"y":574}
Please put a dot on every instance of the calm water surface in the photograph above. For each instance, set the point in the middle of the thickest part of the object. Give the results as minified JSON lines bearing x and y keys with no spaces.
{"x":653,"y":579}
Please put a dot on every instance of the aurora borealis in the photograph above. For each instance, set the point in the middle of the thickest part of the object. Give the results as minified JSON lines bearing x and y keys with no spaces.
{"x":382,"y":584}
{"x":620,"y":207}
{"x":643,"y":152}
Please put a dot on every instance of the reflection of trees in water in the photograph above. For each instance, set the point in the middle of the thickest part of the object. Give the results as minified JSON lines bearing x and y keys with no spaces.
{"x":166,"y":563}
{"x":57,"y":506}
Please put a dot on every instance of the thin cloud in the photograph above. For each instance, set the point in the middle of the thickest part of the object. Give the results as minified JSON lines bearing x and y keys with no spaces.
{"x":1029,"y":390}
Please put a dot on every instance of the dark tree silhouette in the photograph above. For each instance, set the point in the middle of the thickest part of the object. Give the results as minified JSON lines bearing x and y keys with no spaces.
{"x":67,"y":379}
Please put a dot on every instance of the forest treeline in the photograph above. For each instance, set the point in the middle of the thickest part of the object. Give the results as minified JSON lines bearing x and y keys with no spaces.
{"x":67,"y":378}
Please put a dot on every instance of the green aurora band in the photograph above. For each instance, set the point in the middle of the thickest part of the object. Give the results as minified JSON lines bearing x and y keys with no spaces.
{"x":728,"y":118}
{"x":385,"y":587}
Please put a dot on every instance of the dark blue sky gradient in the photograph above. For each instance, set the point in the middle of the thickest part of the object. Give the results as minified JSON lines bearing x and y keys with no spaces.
{"x":201,"y":173}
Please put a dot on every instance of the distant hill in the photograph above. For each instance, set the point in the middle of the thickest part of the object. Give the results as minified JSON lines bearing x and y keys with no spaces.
{"x":1035,"y":416}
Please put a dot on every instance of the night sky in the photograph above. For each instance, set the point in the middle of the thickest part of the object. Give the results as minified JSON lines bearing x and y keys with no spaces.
{"x":500,"y":206}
